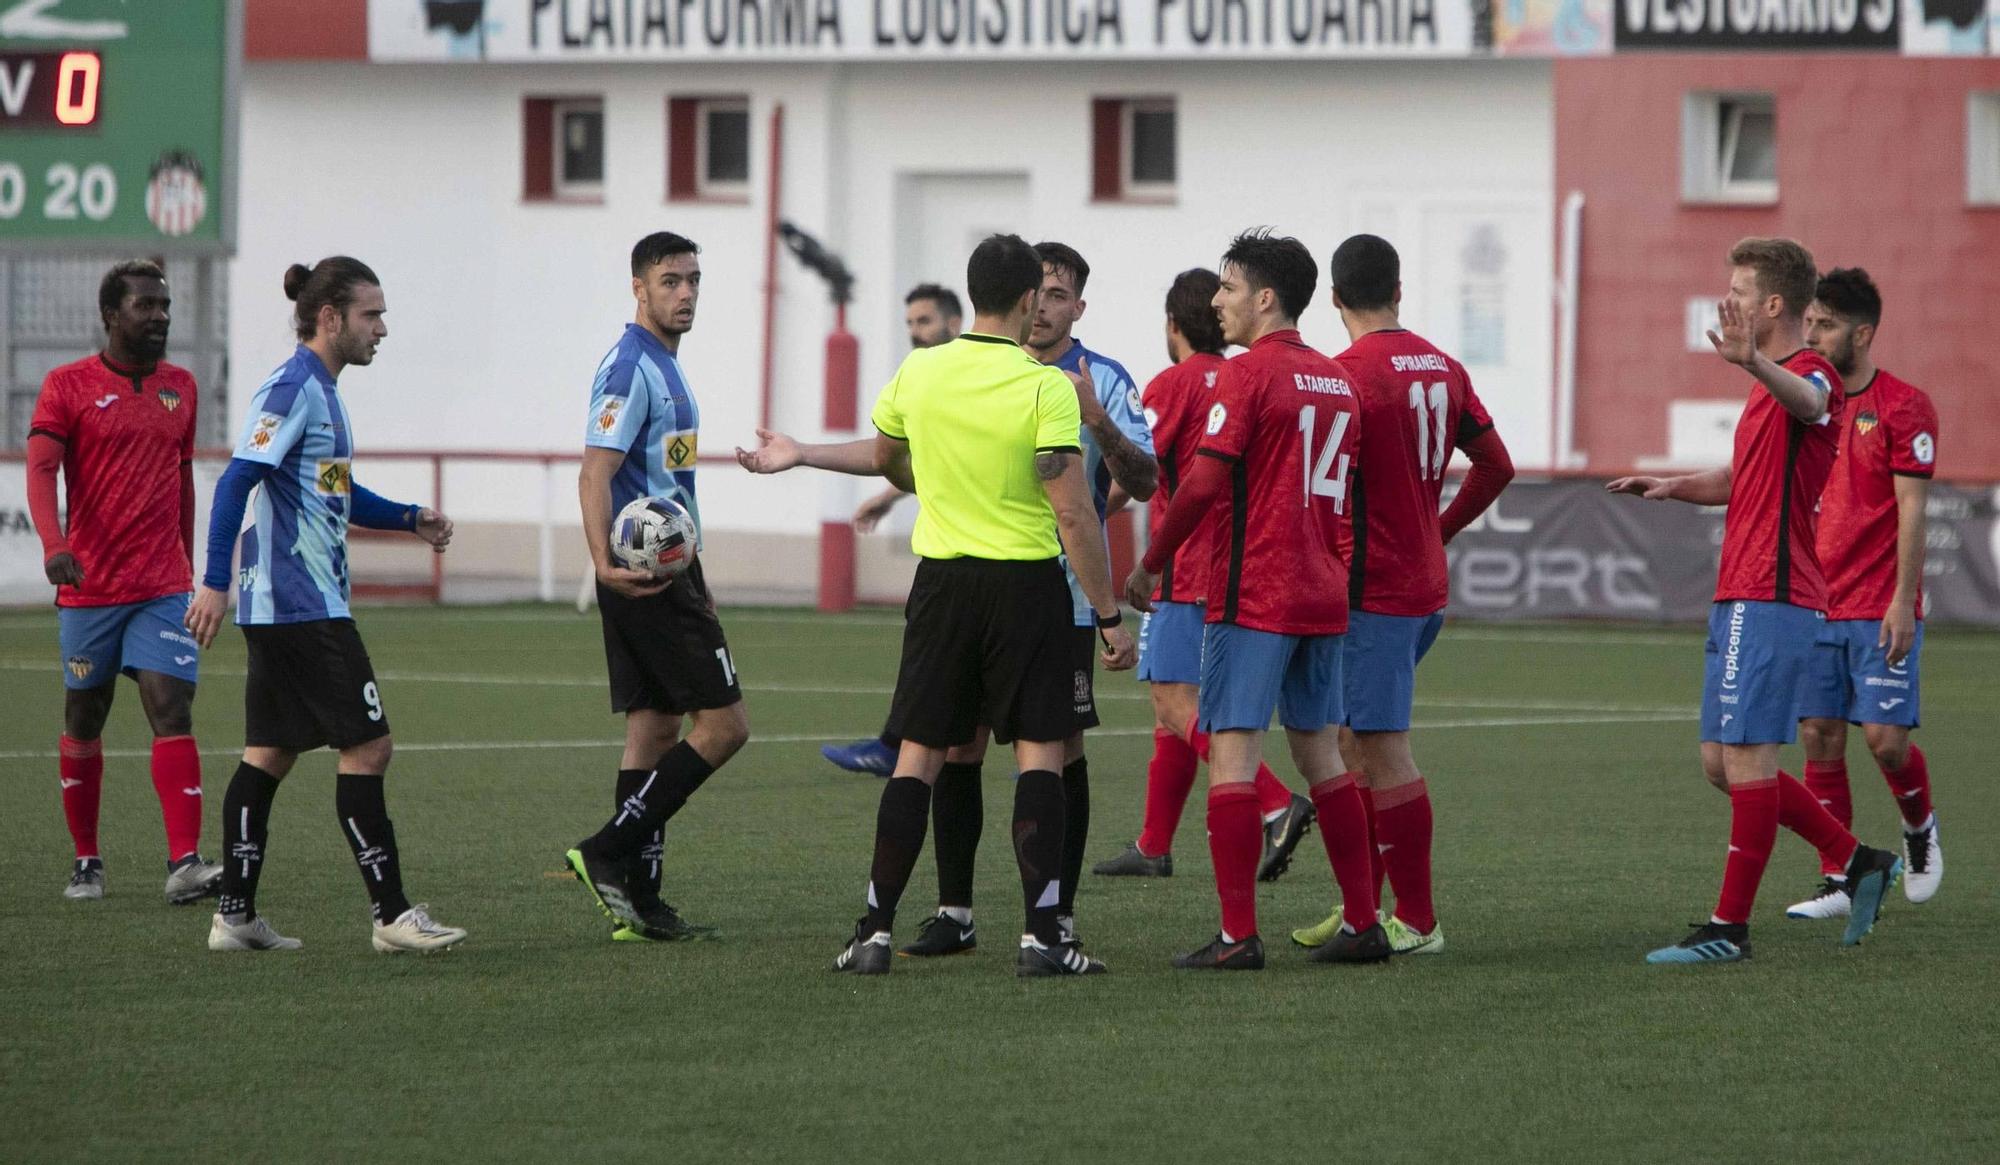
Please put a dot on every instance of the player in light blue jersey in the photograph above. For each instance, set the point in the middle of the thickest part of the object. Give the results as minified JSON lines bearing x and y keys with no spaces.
{"x":663,"y":644}
{"x":310,"y":683}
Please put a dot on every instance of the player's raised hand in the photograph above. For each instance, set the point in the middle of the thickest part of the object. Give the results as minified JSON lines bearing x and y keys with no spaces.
{"x":63,"y":569}
{"x":1120,"y":653}
{"x":1899,"y":632}
{"x":1086,"y":390}
{"x":775,"y":453}
{"x":869,"y":514}
{"x":633,"y":584}
{"x":1655,"y":489}
{"x":205,"y":614}
{"x":434,"y":528}
{"x":1738,"y":341}
{"x":1139,"y":589}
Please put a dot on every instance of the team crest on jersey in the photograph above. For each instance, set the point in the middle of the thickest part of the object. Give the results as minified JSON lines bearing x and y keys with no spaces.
{"x":682,"y":450}
{"x":1217,"y":417}
{"x":264,"y":432}
{"x":1132,"y":398}
{"x":1865,"y":423}
{"x":170,"y":398}
{"x":1923,"y":447}
{"x":607,"y":417}
{"x":1208,"y":379}
{"x":335,"y":478}
{"x":79,"y":666}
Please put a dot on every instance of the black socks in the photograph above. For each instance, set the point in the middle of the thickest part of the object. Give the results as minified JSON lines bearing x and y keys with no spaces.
{"x":246,"y":825}
{"x":645,"y":809}
{"x":899,"y":838}
{"x":1038,"y":848}
{"x":958,"y":812}
{"x":1076,"y":830}
{"x":364,"y":821}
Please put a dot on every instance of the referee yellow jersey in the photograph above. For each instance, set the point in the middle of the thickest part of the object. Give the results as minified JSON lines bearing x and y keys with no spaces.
{"x":975,"y":412}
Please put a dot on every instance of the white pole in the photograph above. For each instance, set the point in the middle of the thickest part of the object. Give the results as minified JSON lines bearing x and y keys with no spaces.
{"x":1566,"y":455}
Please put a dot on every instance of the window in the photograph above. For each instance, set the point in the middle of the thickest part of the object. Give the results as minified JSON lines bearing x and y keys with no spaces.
{"x":562,"y":149}
{"x":1135,"y":149}
{"x":1982,"y":149}
{"x":708,"y":149}
{"x":1729,"y":148}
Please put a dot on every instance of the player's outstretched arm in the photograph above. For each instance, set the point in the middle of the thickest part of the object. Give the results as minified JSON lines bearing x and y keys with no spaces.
{"x":1899,"y":623}
{"x":777,"y":452}
{"x":1202,"y":489}
{"x":1492,"y":468}
{"x":1708,"y":488}
{"x":1061,"y":473}
{"x":45,"y":458}
{"x":869,"y":514}
{"x":593,"y":490}
{"x":1805,"y":399}
{"x":892,"y":460}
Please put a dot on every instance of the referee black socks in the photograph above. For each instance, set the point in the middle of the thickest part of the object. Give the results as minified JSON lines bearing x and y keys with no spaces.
{"x":659,"y":796}
{"x":364,"y":822}
{"x":1038,"y":848}
{"x":899,"y":838}
{"x":246,"y":826}
{"x":1076,"y":831}
{"x":958,"y":814}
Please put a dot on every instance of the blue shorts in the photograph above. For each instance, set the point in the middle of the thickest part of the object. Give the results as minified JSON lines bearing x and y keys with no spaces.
{"x":1758,"y":656}
{"x":1170,"y":644}
{"x":1378,"y":665}
{"x":99,"y":642}
{"x":1850,"y":678}
{"x":1246,"y":675}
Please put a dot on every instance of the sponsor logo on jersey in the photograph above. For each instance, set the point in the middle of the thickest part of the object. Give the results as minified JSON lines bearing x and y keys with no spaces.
{"x":607,"y":414}
{"x":1866,"y":422}
{"x":1217,"y":417}
{"x":80,"y":666}
{"x":105,"y":402}
{"x":682,"y":450}
{"x":1732,"y":656}
{"x":1923,"y":447}
{"x":335,"y":477}
{"x":170,"y":399}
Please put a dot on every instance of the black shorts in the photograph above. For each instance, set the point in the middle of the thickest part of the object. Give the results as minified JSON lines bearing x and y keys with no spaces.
{"x":991,"y":643}
{"x":666,"y":652}
{"x":1083,"y":662}
{"x":310,"y":684}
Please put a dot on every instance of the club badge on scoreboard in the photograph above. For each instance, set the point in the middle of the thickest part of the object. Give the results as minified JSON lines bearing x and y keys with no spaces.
{"x":176,"y":196}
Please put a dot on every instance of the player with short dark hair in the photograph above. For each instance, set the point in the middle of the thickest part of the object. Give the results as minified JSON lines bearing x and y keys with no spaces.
{"x":1271,"y":485}
{"x":310,"y":683}
{"x":1176,"y":405}
{"x":119,"y":426}
{"x":1417,"y":407}
{"x":663,"y":645}
{"x":1770,"y":595}
{"x":933,"y":315}
{"x":1871,"y":545}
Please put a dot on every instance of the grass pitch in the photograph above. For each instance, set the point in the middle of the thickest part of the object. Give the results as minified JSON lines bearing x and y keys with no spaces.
{"x":1574,"y":832}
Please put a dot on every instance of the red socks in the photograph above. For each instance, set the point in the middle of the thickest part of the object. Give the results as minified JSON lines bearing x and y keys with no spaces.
{"x":1753,"y":830}
{"x":177,"y":782}
{"x":1343,"y":826}
{"x":1912,"y":786}
{"x":1827,"y":782}
{"x":1169,"y":778}
{"x":1801,"y":812}
{"x":1236,"y":844}
{"x":1403,"y":829}
{"x":1272,"y":796}
{"x":82,"y":770}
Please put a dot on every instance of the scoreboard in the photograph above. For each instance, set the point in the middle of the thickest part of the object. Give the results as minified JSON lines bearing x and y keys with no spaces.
{"x":117,"y":125}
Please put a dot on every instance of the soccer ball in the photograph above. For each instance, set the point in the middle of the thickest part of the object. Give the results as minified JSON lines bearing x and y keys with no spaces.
{"x":655,"y":535}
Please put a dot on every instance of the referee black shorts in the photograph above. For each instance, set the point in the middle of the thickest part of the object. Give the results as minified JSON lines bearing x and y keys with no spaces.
{"x":992,"y":643}
{"x":666,"y":652}
{"x":310,"y":684}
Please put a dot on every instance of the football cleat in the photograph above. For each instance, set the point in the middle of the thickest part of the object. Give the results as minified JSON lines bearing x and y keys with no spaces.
{"x":1829,"y":901}
{"x":191,"y":879}
{"x":1066,"y":930}
{"x":606,"y":883}
{"x":661,"y":923}
{"x":1711,"y":942}
{"x":1871,"y":873}
{"x":252,"y":934}
{"x":867,"y":953}
{"x":1135,"y":863}
{"x":1041,"y":962}
{"x":1923,"y":862}
{"x":1282,"y":835}
{"x":863,"y":756}
{"x":86,"y":882}
{"x":415,"y":930}
{"x":1225,"y":955}
{"x":1405,"y":939}
{"x":1321,"y":933}
{"x":939,"y":935}
{"x":1347,"y":946}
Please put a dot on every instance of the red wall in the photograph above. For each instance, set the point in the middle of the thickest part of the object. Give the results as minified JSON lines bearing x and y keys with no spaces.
{"x":1871,"y":172}
{"x":277,"y":30}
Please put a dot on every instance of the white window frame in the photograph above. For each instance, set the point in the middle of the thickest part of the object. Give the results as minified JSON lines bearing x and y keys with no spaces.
{"x":563,"y":188}
{"x":1130,"y":188}
{"x":704,"y":186}
{"x":1982,"y":148}
{"x":1708,"y":139}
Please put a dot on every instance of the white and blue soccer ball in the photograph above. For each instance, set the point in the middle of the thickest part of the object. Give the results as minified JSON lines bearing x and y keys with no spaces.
{"x":655,"y":535}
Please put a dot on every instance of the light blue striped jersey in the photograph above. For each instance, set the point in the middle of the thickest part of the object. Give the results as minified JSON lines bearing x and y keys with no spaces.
{"x":293,"y":558}
{"x":640,"y":405}
{"x":1119,"y":395}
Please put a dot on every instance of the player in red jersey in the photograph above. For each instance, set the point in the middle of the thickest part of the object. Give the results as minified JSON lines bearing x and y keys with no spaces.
{"x":1871,"y":544}
{"x":120,"y":428}
{"x":1417,"y":405}
{"x":1770,"y":598}
{"x":1176,"y":407}
{"x":1269,"y":489}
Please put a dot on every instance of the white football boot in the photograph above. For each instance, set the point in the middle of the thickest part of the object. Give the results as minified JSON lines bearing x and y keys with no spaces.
{"x":1831,"y":902}
{"x":1923,"y":862}
{"x":415,"y":930}
{"x":254,"y":935}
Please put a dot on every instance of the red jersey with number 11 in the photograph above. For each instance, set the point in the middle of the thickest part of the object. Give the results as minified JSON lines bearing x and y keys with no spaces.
{"x":1286,"y":419}
{"x":1779,"y":467}
{"x":1176,"y":403}
{"x":1890,"y":432}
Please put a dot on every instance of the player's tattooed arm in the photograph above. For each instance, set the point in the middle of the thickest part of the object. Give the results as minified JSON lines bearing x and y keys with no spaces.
{"x":1132,"y":468}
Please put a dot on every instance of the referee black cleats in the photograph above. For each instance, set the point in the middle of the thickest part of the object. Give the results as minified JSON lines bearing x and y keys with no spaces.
{"x":867,"y":953}
{"x":1282,"y":835}
{"x":939,"y":935}
{"x":1244,"y":954}
{"x":1047,"y":962}
{"x":606,"y":882}
{"x":1347,"y":946}
{"x":660,"y":923}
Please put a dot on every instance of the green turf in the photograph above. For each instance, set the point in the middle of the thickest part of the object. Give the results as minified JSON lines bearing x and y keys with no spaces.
{"x":1574,"y":832}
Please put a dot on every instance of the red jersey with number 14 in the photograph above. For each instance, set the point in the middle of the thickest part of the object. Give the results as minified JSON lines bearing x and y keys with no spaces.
{"x":1176,"y":403}
{"x":1779,"y":467}
{"x":1417,"y":405}
{"x":125,"y":438}
{"x":1286,"y":419}
{"x":1890,"y":432}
